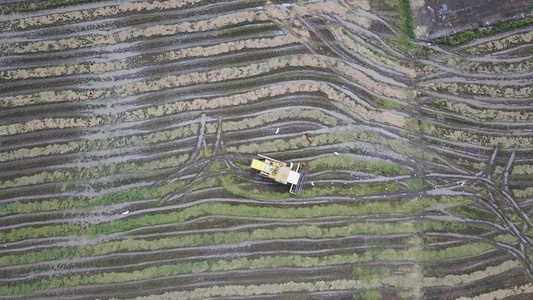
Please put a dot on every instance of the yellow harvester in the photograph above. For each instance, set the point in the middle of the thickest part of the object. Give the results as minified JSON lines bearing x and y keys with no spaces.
{"x":293,"y":174}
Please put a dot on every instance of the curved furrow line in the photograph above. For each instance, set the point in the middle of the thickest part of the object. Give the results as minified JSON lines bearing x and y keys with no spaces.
{"x":218,"y":55}
{"x":84,"y":17}
{"x":477,"y":70}
{"x":142,"y":87}
{"x":133,"y":33}
{"x":500,"y":36}
{"x":191,"y":281}
{"x":470,"y":115}
{"x":152,"y":257}
{"x":126,"y":237}
{"x":94,"y":137}
{"x":477,"y":101}
{"x":148,"y":49}
{"x":109,"y":160}
{"x":353,"y":257}
{"x":441,"y":128}
{"x":199,"y":207}
{"x":148,"y":258}
{"x":55,"y":151}
{"x":97,"y":170}
{"x":19,"y":11}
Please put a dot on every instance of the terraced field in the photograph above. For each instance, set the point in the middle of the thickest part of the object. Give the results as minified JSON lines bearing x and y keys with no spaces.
{"x":127,"y":129}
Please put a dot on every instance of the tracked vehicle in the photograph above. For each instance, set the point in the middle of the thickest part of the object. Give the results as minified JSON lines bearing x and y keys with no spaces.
{"x":293,"y":173}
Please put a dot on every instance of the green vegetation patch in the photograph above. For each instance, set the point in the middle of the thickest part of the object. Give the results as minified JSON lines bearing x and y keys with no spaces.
{"x":469,"y":35}
{"x":403,"y":9}
{"x":244,"y":28}
{"x":466,"y":250}
{"x":403,"y":43}
{"x":420,"y":126}
{"x":415,"y":184}
{"x":347,"y":162}
{"x":505,"y":238}
{"x":371,"y":273}
{"x":368,"y":294}
{"x":39,"y":232}
{"x":18,"y":207}
{"x":406,"y":24}
{"x":209,"y":183}
{"x":206,"y":152}
{"x":219,"y":166}
{"x":442,"y":226}
{"x":467,"y":212}
{"x":386,"y":104}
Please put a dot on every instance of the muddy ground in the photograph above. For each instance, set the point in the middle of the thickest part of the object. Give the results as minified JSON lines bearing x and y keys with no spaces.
{"x":436,"y":18}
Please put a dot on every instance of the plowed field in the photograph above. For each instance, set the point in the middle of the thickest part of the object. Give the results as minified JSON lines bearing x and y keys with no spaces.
{"x":127,"y":129}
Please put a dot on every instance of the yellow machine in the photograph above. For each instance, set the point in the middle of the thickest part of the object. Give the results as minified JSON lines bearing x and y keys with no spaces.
{"x":293,"y":174}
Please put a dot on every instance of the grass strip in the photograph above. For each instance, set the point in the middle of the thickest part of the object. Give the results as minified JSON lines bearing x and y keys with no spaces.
{"x":467,"y":36}
{"x":406,"y":24}
{"x":129,"y":195}
{"x":24,"y":7}
{"x":194,"y":240}
{"x":212,"y":209}
{"x":386,"y":104}
{"x":248,"y":291}
{"x":346,"y":162}
{"x":231,"y":184}
{"x":271,"y":262}
{"x":332,"y":138}
{"x":271,"y":117}
{"x":72,"y":174}
{"x":359,"y":190}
